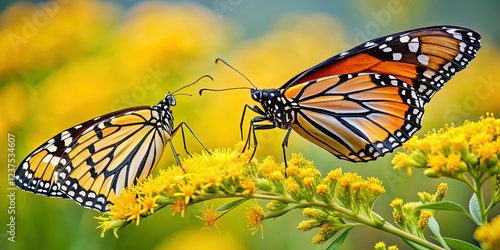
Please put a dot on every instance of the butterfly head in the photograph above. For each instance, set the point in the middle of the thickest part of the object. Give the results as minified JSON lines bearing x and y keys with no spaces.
{"x":264,"y":95}
{"x":165,"y":111}
{"x":170,"y":100}
{"x":167,"y":102}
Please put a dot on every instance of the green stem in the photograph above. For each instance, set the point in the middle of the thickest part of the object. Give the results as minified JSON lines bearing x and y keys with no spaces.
{"x":480,"y":198}
{"x":355,"y":217}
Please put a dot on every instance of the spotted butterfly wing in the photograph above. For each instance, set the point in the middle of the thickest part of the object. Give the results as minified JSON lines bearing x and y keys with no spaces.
{"x":365,"y":102}
{"x":92,"y":162}
{"x":425,"y":58}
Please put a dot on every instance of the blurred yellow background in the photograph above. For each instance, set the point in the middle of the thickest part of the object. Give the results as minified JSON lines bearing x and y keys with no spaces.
{"x":64,"y":62}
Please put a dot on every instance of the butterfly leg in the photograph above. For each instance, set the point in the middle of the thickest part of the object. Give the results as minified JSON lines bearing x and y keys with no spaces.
{"x":284,"y":144}
{"x":181,"y":126}
{"x":258,"y":127}
{"x":255,"y":109}
{"x":176,"y":155}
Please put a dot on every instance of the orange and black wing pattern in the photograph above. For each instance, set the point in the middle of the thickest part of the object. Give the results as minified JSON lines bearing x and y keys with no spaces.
{"x":356,"y":117}
{"x":93,"y":161}
{"x":365,"y":102}
{"x":425,"y":58}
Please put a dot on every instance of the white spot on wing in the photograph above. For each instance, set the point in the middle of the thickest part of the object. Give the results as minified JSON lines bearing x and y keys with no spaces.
{"x":413,"y":45}
{"x":404,"y":39}
{"x":368,"y":44}
{"x":423,"y":59}
{"x":52,"y":148}
{"x":68,"y":141}
{"x":397,"y":56}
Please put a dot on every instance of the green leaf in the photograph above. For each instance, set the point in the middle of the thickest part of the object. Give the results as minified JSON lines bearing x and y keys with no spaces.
{"x":230,"y":205}
{"x":459,"y":244}
{"x":337,"y":243}
{"x":434,"y":227}
{"x":444,"y":205}
{"x":474,"y":210}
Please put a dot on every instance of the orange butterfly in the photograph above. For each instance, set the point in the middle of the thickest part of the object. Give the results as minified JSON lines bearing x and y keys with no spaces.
{"x":92,"y":162}
{"x":365,"y":102}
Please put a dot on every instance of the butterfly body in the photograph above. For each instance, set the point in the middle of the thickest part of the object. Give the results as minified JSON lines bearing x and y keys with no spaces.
{"x":277,"y":109}
{"x":367,"y":101}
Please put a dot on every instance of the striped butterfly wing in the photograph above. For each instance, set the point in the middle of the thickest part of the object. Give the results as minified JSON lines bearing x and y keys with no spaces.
{"x":425,"y":58}
{"x":92,"y":162}
{"x":36,"y":172}
{"x":365,"y":102}
{"x":356,"y":117}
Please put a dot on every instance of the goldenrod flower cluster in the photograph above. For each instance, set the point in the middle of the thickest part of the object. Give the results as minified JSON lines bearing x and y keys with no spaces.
{"x":489,"y":234}
{"x":226,"y":173}
{"x":413,"y":219}
{"x":381,"y":246}
{"x":453,"y":152}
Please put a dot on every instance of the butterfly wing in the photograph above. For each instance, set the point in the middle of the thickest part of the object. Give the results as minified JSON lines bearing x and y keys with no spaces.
{"x":36,"y":172}
{"x":356,"y":117}
{"x":92,"y":162}
{"x":425,"y":58}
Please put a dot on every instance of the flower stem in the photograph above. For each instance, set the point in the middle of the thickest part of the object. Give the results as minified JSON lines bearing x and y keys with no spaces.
{"x":480,"y":198}
{"x":354,"y":217}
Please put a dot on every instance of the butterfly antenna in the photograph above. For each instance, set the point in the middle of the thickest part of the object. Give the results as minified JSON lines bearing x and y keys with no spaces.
{"x":205,"y":76}
{"x":218,"y":90}
{"x":227,"y":64}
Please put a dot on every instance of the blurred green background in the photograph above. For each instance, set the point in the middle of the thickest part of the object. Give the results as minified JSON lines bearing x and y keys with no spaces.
{"x":64,"y":62}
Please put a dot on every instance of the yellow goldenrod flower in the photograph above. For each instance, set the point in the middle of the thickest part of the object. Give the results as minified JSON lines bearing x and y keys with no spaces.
{"x":441,"y":191}
{"x":333,"y":175}
{"x":228,"y":173}
{"x":249,"y":186}
{"x":208,"y":215}
{"x":277,"y":176}
{"x":452,"y":151}
{"x":397,"y":212}
{"x":308,"y":225}
{"x":291,"y":186}
{"x":410,"y":217}
{"x":107,"y":224}
{"x":308,"y":182}
{"x":316,"y":214}
{"x":489,"y":234}
{"x":424,"y":219}
{"x":425,"y":197}
{"x":380,"y":246}
{"x":122,"y":207}
{"x":322,"y":190}
{"x":319,"y":239}
{"x":179,"y":206}
{"x":255,"y":215}
{"x":187,"y":190}
{"x":269,"y":166}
